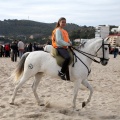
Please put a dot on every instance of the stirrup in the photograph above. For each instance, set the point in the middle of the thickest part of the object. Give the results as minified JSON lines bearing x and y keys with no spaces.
{"x":62,"y":75}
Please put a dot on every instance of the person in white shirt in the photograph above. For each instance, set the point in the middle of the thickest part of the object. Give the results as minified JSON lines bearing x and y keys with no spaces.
{"x":21,"y":47}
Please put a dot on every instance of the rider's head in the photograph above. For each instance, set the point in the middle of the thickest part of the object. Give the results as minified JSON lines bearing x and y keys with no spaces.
{"x":61,"y":22}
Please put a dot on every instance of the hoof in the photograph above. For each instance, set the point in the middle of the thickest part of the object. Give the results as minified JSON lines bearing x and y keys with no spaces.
{"x":83,"y":104}
{"x":42,"y":104}
{"x":11,"y":103}
{"x":77,"y":109}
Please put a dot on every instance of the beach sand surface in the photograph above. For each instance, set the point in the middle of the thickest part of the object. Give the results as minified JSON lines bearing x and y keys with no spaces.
{"x":57,"y":95}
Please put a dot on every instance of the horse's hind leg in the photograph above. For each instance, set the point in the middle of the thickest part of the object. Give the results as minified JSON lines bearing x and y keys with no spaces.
{"x":87,"y":85}
{"x":22,"y":81}
{"x":35,"y":85}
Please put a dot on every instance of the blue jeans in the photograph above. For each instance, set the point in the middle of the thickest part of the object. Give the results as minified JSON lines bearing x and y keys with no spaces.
{"x":115,"y":54}
{"x":65,"y":54}
{"x":21,"y":53}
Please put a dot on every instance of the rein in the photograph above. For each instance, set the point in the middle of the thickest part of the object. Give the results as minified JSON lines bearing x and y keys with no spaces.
{"x":88,"y":55}
{"x":79,"y":59}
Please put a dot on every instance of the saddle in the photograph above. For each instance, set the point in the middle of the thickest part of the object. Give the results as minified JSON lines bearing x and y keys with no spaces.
{"x":60,"y":59}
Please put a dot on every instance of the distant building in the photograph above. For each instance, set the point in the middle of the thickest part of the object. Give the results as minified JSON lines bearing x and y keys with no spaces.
{"x":35,"y":36}
{"x":31,"y":37}
{"x":2,"y":36}
{"x":2,"y":39}
{"x":102,"y":31}
{"x":114,"y":40}
{"x":115,"y":30}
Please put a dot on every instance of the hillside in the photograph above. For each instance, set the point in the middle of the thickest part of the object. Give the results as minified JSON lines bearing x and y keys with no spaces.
{"x":27,"y":27}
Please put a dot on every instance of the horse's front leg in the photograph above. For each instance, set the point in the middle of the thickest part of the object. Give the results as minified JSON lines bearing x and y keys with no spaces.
{"x":87,"y":85}
{"x":76,"y":88}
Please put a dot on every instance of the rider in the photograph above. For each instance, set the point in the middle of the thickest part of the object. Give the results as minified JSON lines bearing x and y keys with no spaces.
{"x":61,"y":41}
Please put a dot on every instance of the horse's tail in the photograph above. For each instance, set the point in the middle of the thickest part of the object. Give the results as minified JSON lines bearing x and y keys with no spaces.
{"x":20,"y":67}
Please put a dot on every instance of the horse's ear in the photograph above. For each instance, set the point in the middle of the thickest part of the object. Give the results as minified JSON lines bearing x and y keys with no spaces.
{"x":107,"y":39}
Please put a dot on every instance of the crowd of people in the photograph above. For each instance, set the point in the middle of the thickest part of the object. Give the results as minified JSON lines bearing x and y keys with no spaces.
{"x":18,"y":48}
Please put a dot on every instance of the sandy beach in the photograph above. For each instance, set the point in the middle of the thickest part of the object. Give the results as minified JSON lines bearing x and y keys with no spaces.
{"x":105,"y":103}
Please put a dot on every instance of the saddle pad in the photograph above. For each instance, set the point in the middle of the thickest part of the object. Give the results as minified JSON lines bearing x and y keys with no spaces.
{"x":60,"y":59}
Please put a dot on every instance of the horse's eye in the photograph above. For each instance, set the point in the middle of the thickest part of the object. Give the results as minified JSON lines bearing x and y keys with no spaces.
{"x":105,"y":48}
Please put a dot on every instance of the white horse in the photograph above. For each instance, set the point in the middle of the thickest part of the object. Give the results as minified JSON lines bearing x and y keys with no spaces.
{"x":39,"y":62}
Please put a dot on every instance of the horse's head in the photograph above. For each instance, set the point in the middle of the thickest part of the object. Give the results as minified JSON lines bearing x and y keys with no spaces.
{"x":102,"y":51}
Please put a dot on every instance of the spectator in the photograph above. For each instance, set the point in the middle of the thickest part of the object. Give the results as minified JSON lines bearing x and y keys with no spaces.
{"x":7,"y":50}
{"x":30,"y":47}
{"x":40,"y":47}
{"x":14,"y":49}
{"x":1,"y":51}
{"x":21,"y":47}
{"x":115,"y":52}
{"x":35,"y":46}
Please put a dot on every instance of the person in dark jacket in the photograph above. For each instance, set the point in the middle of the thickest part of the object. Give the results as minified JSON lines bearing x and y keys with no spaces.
{"x":115,"y":52}
{"x":1,"y":51}
{"x":30,"y":47}
{"x":14,"y":50}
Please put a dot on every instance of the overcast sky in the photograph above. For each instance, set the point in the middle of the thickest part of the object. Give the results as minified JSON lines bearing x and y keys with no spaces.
{"x":81,"y":12}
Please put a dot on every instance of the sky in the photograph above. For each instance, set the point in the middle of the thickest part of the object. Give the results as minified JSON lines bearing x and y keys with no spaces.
{"x":80,"y":12}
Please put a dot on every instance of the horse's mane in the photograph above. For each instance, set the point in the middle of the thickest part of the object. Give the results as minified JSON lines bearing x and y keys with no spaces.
{"x":93,"y":40}
{"x":89,"y":42}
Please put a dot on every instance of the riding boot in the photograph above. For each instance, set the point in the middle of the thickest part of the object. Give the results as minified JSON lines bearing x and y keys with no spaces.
{"x":62,"y":75}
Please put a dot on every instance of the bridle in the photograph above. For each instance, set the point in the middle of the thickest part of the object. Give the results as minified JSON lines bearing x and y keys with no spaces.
{"x":90,"y":55}
{"x":102,"y":46}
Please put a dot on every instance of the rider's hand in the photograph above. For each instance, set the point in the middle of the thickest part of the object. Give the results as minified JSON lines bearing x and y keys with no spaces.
{"x":70,"y":43}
